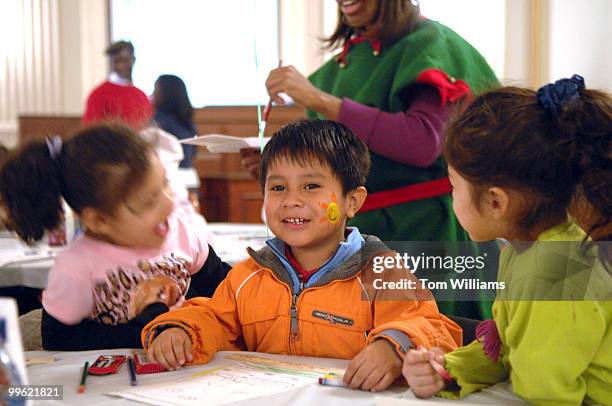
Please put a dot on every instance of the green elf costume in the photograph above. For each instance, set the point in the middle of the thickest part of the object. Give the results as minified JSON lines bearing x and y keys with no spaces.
{"x":408,"y":202}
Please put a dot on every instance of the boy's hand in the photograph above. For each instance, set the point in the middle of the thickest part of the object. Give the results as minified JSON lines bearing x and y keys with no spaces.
{"x":170,"y":349}
{"x":374,"y":368}
{"x":420,"y":375}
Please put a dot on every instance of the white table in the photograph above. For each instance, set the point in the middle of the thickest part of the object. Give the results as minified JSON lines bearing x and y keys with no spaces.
{"x":231,"y":240}
{"x":67,"y":368}
{"x":27,"y":268}
{"x":21,"y":265}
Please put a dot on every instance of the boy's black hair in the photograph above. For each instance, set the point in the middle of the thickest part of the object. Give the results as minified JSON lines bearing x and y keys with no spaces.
{"x":116,"y":47}
{"x":330,"y":142}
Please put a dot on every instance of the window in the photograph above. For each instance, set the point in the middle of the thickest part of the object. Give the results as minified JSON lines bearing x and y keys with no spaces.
{"x":210,"y":44}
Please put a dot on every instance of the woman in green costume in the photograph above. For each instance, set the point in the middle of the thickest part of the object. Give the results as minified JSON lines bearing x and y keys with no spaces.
{"x":392,"y":83}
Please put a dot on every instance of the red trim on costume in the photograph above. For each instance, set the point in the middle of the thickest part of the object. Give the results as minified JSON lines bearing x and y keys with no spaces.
{"x":450,"y":89}
{"x":374,"y":43}
{"x":405,"y":194}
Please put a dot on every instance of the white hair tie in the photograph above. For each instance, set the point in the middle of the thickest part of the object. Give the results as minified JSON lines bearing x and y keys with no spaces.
{"x":55,"y":146}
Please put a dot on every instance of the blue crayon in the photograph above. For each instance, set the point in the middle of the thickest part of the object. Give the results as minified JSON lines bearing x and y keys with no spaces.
{"x":132,"y":368}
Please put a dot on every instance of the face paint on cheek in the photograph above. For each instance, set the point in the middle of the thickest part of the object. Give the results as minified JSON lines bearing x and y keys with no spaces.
{"x":332,"y":211}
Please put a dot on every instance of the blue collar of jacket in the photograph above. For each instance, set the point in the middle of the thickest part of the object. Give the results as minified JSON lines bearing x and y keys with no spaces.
{"x":354,"y":242}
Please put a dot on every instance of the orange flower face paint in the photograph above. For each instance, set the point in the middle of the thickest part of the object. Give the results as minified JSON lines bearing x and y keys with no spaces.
{"x":332,"y":213}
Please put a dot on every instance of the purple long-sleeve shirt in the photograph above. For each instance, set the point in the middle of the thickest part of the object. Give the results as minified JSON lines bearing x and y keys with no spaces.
{"x":413,"y":137}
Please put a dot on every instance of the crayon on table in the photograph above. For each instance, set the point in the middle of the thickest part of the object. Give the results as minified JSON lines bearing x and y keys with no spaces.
{"x":330,"y":380}
{"x":83,"y":378}
{"x":132,"y":368}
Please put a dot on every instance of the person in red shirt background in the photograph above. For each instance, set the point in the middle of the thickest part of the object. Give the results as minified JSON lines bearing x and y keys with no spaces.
{"x":117,"y":98}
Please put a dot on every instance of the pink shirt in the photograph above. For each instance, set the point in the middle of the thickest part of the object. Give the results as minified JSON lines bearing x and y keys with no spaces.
{"x":112,"y":284}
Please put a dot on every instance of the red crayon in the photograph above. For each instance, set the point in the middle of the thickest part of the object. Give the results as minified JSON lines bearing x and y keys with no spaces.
{"x":268,"y":107}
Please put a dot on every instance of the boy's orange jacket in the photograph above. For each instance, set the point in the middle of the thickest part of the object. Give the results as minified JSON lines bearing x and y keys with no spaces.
{"x":255,"y":309}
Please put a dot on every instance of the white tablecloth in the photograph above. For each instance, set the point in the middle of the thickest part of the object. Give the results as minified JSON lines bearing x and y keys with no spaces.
{"x":67,"y":368}
{"x":23,"y":266}
{"x":231,"y":240}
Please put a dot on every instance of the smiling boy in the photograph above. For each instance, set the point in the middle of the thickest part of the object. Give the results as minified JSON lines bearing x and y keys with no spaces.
{"x":303,"y":294}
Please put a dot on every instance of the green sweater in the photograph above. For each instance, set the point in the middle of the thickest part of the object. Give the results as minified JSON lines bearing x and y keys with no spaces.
{"x":553,"y":352}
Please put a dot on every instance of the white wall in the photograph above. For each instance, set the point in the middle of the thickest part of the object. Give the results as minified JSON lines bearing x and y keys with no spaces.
{"x":580,"y":35}
{"x":301,"y":26}
{"x":83,"y":39}
{"x":516,"y":56}
{"x":466,"y":18}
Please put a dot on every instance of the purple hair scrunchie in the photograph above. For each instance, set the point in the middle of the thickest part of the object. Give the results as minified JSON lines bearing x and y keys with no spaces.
{"x":551,"y":96}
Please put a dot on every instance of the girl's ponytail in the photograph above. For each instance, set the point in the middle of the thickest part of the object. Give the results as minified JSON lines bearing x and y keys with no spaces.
{"x":590,"y":151}
{"x":30,"y":189}
{"x":582,"y":126}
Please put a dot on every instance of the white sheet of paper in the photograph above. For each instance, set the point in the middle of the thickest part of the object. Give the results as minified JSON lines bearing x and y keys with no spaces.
{"x":216,"y":386}
{"x":219,"y":143}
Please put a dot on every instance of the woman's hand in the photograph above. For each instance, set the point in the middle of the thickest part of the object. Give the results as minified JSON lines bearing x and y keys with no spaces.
{"x":288,"y":80}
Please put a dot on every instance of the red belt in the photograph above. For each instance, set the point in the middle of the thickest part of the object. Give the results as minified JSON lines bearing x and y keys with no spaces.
{"x":405,"y":194}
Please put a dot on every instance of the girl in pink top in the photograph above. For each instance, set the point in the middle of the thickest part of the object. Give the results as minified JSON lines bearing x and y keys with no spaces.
{"x":138,"y":257}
